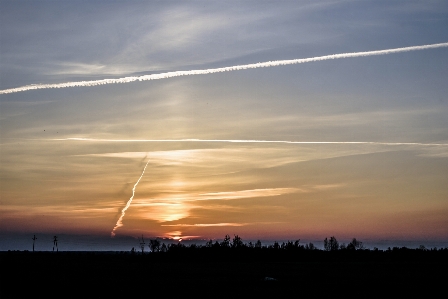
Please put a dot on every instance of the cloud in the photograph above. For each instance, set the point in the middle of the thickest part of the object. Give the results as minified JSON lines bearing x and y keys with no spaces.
{"x":434,"y":152}
{"x":78,"y":68}
{"x":163,"y":209}
{"x":177,"y":235}
{"x":172,"y":207}
{"x":247,"y":193}
{"x":206,"y":224}
{"x":326,"y":187}
{"x":71,"y":211}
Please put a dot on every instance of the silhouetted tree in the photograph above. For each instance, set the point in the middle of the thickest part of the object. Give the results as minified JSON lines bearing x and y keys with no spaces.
{"x":209,"y":243}
{"x":154,"y":245}
{"x":258,"y":244}
{"x":310,"y":246}
{"x":355,"y":245}
{"x":331,"y":245}
{"x":163,"y":248}
{"x":275,"y":245}
{"x":176,"y":247}
{"x":291,"y":245}
{"x":237,"y":242}
{"x":226,"y":242}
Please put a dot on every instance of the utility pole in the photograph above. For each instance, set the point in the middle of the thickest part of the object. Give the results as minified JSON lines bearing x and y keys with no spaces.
{"x":55,"y":243}
{"x":142,"y":244}
{"x":34,"y":240}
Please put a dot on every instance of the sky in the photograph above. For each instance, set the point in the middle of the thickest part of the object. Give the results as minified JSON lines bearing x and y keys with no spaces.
{"x":353,"y":147}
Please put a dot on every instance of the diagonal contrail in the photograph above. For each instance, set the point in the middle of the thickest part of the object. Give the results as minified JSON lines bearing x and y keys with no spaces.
{"x":249,"y":141}
{"x":222,"y":69}
{"x":123,"y":211}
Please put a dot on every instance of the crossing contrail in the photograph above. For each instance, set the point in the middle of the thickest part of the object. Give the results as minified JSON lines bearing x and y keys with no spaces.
{"x":123,"y":211}
{"x":248,"y":141}
{"x":220,"y":70}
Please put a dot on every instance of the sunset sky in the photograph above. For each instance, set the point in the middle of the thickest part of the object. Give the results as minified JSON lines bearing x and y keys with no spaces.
{"x":371,"y":158}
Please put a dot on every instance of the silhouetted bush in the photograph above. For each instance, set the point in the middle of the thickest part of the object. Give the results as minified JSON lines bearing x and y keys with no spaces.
{"x":331,"y":245}
{"x":355,"y":245}
{"x":154,"y":245}
{"x":226,"y":242}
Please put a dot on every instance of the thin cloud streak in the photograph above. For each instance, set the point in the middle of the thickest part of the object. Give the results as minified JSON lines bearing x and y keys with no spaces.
{"x":221,"y":70}
{"x":192,"y":197}
{"x":247,"y":193}
{"x":207,"y":224}
{"x":249,"y":141}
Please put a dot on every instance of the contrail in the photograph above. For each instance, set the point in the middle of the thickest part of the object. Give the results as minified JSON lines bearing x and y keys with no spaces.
{"x":220,"y":70}
{"x":249,"y":141}
{"x":120,"y":220}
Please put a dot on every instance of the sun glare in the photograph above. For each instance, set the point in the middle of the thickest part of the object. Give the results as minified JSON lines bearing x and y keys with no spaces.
{"x":177,"y":184}
{"x":169,"y":209}
{"x":175,"y":235}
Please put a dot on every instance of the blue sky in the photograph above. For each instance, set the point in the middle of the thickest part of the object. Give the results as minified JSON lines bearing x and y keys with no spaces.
{"x":203,"y":190}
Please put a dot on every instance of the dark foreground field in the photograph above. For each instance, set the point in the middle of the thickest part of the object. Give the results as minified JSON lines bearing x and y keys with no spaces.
{"x":307,"y":274}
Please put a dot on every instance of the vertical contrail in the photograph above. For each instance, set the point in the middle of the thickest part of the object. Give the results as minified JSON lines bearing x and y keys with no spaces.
{"x":120,"y":220}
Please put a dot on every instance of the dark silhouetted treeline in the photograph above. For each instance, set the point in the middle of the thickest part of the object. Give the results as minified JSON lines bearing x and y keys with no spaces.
{"x":229,"y":268}
{"x":236,"y":244}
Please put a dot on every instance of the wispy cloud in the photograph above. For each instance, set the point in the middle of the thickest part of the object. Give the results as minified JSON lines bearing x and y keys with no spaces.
{"x":165,"y":208}
{"x":78,"y":68}
{"x":177,"y":235}
{"x":326,"y":187}
{"x":247,"y":193}
{"x":434,"y":152}
{"x":72,"y":211}
{"x":206,"y":224}
{"x":169,"y":210}
{"x":236,"y":158}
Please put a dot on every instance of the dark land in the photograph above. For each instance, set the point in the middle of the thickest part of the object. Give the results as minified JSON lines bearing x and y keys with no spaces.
{"x":225,"y":272}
